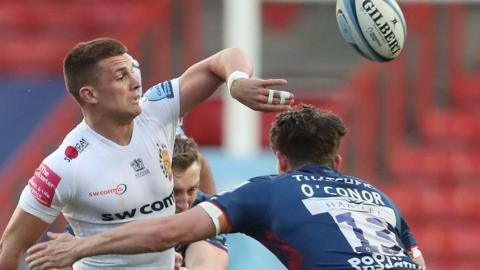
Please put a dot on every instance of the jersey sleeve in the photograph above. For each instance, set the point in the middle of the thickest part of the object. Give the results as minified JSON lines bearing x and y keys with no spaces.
{"x":402,"y":229}
{"x":406,"y":235}
{"x":46,"y":191}
{"x":247,"y":206}
{"x":220,"y":241}
{"x":30,"y":203}
{"x":162,"y":102}
{"x":161,"y":107}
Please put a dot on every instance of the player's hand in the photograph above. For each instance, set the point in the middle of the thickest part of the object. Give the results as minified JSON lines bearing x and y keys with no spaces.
{"x":178,"y":261}
{"x":260,"y":95}
{"x":55,"y":253}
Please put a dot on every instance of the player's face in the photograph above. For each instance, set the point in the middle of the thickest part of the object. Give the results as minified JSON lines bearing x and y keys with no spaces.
{"x":117,"y":88}
{"x":186,"y":186}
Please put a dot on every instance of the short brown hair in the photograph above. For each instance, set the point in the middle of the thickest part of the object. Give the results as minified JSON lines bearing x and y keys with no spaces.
{"x":80,"y":65}
{"x":305,"y":134}
{"x":185,"y":153}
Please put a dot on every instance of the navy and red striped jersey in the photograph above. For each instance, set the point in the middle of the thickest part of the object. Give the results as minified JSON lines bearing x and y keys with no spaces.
{"x":317,"y":218}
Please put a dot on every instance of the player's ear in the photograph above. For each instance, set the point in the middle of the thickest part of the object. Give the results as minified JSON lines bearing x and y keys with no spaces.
{"x":87,"y":94}
{"x":282,"y":162}
{"x":337,"y":162}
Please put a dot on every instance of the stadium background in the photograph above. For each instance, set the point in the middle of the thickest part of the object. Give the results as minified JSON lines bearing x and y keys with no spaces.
{"x":414,"y":122}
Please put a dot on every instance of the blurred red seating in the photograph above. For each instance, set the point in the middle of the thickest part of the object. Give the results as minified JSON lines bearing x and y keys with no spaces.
{"x":427,"y":202}
{"x":453,"y":129}
{"x":434,"y":164}
{"x":449,"y":242}
{"x":465,"y":92}
{"x":37,"y":34}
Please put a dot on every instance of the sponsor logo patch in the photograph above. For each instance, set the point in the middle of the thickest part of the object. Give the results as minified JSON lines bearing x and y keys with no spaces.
{"x":160,"y":91}
{"x":72,"y":151}
{"x":43,"y":184}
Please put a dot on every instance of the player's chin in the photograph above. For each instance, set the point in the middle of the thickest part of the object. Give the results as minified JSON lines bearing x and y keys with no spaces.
{"x":136,"y":110}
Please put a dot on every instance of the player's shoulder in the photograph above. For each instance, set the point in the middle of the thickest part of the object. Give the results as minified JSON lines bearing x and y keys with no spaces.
{"x":160,"y":91}
{"x":265,"y":179}
{"x":73,"y":147}
{"x":258,"y":183}
{"x":160,"y":104}
{"x":252,"y":185}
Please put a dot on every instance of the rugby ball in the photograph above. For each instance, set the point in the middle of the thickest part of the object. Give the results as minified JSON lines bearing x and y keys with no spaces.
{"x":375,"y":28}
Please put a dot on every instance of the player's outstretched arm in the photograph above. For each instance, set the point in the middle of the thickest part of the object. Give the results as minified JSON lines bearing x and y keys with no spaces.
{"x":199,"y":82}
{"x":141,"y":236}
{"x":22,"y":231}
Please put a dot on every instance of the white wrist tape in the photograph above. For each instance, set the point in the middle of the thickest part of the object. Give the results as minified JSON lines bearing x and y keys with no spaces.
{"x":235,"y":75}
{"x":214,"y":212}
{"x":416,"y":252}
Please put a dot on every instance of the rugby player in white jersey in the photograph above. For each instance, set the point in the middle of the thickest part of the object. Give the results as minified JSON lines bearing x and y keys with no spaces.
{"x":114,"y":167}
{"x":187,"y":167}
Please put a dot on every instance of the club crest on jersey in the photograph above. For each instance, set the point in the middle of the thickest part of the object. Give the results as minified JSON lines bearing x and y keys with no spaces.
{"x":72,"y":151}
{"x":164,"y":158}
{"x":160,"y":91}
{"x":139,"y":168}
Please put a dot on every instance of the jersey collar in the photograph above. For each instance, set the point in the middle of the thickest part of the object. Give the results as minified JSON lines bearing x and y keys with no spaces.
{"x":319,"y":168}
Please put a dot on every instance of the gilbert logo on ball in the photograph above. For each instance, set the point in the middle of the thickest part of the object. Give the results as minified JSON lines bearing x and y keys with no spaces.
{"x":375,"y":28}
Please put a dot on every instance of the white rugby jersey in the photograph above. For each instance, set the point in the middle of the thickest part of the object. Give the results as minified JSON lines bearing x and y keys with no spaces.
{"x":98,"y":184}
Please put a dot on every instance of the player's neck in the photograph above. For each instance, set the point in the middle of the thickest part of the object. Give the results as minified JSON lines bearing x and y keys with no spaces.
{"x":115,"y":131}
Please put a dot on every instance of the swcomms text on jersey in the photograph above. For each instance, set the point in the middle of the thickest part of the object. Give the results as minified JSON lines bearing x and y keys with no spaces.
{"x":144,"y":209}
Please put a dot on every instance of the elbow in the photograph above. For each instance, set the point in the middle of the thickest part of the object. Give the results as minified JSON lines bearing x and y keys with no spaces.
{"x":235,"y":59}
